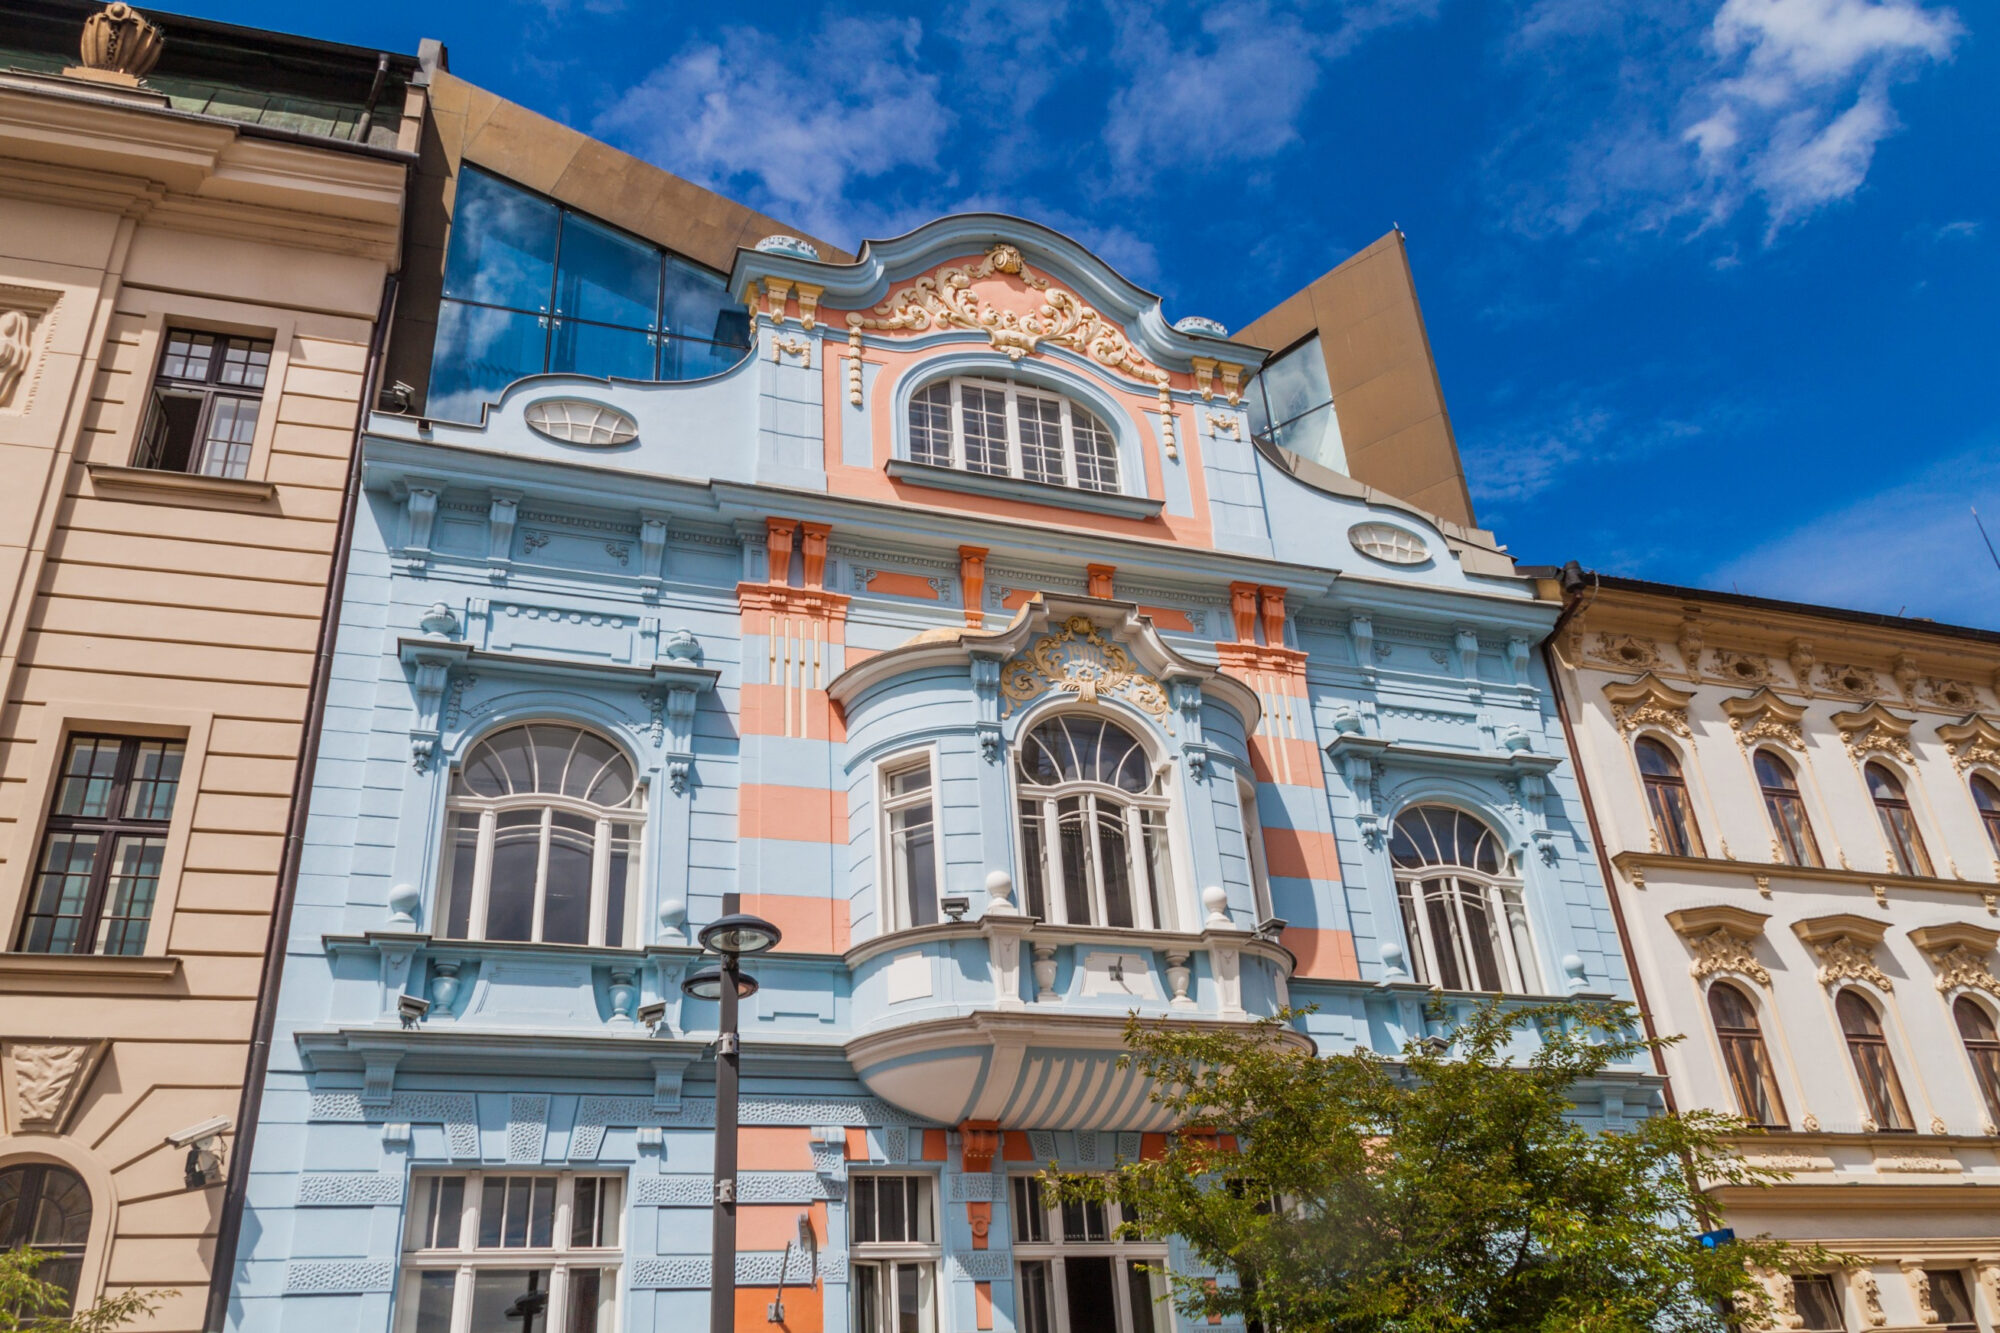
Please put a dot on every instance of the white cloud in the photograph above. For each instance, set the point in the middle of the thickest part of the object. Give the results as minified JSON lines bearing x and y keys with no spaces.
{"x":1692,"y":115}
{"x":1910,"y":547}
{"x":1559,"y":435}
{"x":794,"y":126}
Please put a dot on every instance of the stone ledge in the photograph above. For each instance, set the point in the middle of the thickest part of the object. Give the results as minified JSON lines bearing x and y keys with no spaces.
{"x":180,"y":487}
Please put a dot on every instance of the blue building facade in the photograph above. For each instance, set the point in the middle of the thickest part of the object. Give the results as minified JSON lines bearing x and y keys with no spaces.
{"x":975,"y":627}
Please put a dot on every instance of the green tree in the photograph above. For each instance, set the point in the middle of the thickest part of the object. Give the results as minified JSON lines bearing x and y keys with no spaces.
{"x":1450,"y":1191}
{"x":30,"y":1305}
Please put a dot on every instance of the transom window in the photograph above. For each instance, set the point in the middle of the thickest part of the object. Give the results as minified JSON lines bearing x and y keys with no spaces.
{"x":1745,"y":1055}
{"x":1899,"y":821}
{"x":103,"y":846}
{"x":1667,"y":799}
{"x":1462,"y":910}
{"x":1094,"y":848}
{"x":893,"y":1253}
{"x":1004,"y":429}
{"x":486,"y":1250}
{"x":1077,"y":1273}
{"x":47,"y":1208}
{"x":542,"y":839}
{"x":1868,"y":1047}
{"x":1787,"y":809}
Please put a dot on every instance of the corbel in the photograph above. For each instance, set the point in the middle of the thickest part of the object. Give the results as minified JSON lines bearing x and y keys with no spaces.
{"x":1845,"y":944}
{"x":501,"y":514}
{"x":1204,"y":376}
{"x":1720,"y":937}
{"x":1232,"y":382}
{"x":1271,"y":610}
{"x":1100,"y":580}
{"x":1185,"y":692}
{"x":986,"y":695}
{"x":652,"y":551}
{"x":430,"y":661}
{"x":674,"y":698}
{"x":972,"y":580}
{"x":1361,"y":634}
{"x":378,"y":1077}
{"x":668,"y":1072}
{"x":420,"y":503}
{"x":1465,"y":640}
{"x":809,"y":303}
{"x":813,"y":544}
{"x":1243,"y":611}
{"x":778,"y":547}
{"x":775,"y":292}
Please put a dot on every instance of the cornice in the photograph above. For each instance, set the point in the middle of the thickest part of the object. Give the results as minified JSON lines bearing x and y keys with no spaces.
{"x":1645,"y":862}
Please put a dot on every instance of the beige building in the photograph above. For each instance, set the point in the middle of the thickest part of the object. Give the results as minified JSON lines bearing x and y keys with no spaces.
{"x":198,"y":231}
{"x":1800,"y":811}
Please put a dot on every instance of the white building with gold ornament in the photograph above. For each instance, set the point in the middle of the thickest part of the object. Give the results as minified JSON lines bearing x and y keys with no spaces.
{"x":1799,"y":810}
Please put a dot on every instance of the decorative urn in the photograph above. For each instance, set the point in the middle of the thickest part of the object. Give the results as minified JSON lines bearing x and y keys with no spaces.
{"x":119,"y":40}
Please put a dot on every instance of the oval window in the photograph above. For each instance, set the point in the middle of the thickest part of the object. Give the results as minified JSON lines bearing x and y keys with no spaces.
{"x":580,"y":421}
{"x":1385,"y":541}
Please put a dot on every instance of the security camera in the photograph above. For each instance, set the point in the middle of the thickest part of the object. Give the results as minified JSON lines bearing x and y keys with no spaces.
{"x":654,"y":1014}
{"x":412,"y":1008}
{"x":1271,"y":927}
{"x":398,"y":397}
{"x":204,"y":1144}
{"x":956,"y":906}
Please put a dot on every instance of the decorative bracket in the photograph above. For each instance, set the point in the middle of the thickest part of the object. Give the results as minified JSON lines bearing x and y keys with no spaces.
{"x":652,"y":551}
{"x":1721,"y":938}
{"x":1959,"y":952}
{"x":1764,"y":716}
{"x":673,"y":699}
{"x":986,"y":692}
{"x":1185,"y":693}
{"x":1874,"y":729}
{"x":501,"y":516}
{"x":1846,"y":947}
{"x":431,"y":662}
{"x":420,"y":504}
{"x":1971,"y":741}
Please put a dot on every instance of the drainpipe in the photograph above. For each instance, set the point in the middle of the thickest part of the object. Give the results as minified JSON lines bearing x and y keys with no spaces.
{"x":1575,"y":600}
{"x":230,"y":1226}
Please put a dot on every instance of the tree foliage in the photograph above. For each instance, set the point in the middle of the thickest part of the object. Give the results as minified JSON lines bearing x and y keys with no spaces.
{"x":30,"y":1305}
{"x":1449,"y":1191}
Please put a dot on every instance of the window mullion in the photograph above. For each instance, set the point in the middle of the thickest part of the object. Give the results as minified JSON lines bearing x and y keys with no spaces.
{"x":482,"y":874}
{"x":541,"y":876}
{"x":1013,"y":443}
{"x":1053,"y":875}
{"x":1136,"y":868}
{"x":1500,"y":907}
{"x":958,"y":424}
{"x":1093,"y":863}
{"x":600,"y":881}
{"x":1421,"y":895}
{"x":1072,"y":473}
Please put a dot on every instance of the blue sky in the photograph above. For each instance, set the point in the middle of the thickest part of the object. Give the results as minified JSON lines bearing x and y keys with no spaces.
{"x":1712,"y":284}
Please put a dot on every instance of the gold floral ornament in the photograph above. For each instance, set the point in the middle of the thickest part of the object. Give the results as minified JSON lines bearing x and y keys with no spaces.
{"x":1973,"y":741}
{"x":946,"y":300}
{"x":1078,"y":660}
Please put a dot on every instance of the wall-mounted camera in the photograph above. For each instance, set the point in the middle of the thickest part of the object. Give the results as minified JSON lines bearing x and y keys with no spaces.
{"x":204,"y":1150}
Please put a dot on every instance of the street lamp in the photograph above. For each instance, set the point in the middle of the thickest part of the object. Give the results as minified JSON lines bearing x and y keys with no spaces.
{"x":729,"y":937}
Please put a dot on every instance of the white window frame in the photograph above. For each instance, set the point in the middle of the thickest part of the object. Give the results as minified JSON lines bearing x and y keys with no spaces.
{"x":895,"y":898}
{"x":466,"y":1258}
{"x":1014,"y":392}
{"x":1505,"y":903}
{"x":890,"y":1257}
{"x":603,"y":817}
{"x":1054,"y":1251}
{"x":1253,"y":842}
{"x":1054,"y":878}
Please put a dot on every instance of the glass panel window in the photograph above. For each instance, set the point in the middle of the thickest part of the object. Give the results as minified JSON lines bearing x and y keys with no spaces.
{"x":1674,"y":826}
{"x":542,"y":839}
{"x":47,"y":1208}
{"x":487,"y":1250}
{"x":1868,"y":1047}
{"x":1003,"y":429}
{"x":1899,"y":821}
{"x":1291,"y":406}
{"x":911,"y":847}
{"x":1790,"y":829}
{"x":1076,"y":1271}
{"x":1747,"y":1059}
{"x":1986,"y":798}
{"x":531,"y":287}
{"x":892,"y":1237}
{"x":206,"y":397}
{"x":1951,"y":1298}
{"x":1982,"y":1047}
{"x":1109,"y":861}
{"x":103,"y":846}
{"x":1461,"y":906}
{"x":1253,"y":847}
{"x":1817,"y":1302}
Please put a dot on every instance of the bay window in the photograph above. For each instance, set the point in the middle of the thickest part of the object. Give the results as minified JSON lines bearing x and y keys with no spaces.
{"x":1093,"y":811}
{"x":542,"y":839}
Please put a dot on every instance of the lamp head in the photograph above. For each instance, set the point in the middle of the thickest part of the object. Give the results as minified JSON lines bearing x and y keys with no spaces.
{"x":739,"y":933}
{"x":707,"y":984}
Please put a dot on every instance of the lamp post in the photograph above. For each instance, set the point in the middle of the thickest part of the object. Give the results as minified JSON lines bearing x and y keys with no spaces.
{"x":729,"y":937}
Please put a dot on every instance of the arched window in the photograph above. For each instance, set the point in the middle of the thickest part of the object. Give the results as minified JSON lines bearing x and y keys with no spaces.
{"x":1987,"y":797}
{"x":1899,"y":822}
{"x":542,"y":839}
{"x":1461,"y":908}
{"x":47,"y":1208}
{"x":1094,"y":845}
{"x":1004,"y":429}
{"x":1868,"y":1047}
{"x":1667,"y":798}
{"x":1982,"y":1046}
{"x":1787,"y":810}
{"x":1743,"y":1051}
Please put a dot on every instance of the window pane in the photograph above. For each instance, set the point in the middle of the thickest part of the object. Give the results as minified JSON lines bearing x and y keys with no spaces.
{"x":542,"y":1213}
{"x":447,"y":1203}
{"x":1074,"y":840}
{"x":91,"y":765}
{"x":245,"y":363}
{"x":1114,"y":861}
{"x":620,"y":882}
{"x":867,"y":1279}
{"x":510,"y":1300}
{"x":566,"y":917}
{"x":62,"y":886}
{"x":698,"y":306}
{"x":128,"y":898}
{"x":1444,"y":936}
{"x":1031,"y":1219}
{"x":1314,"y":436}
{"x":587,"y":1292}
{"x":430,"y":1311}
{"x":1406,"y":898}
{"x":692,"y":359}
{"x":861,"y":1214}
{"x":514,"y":1235}
{"x":62,"y":1217}
{"x":607,"y":277}
{"x":1817,"y":1302}
{"x":503,"y":244}
{"x":1096,"y":452}
{"x":225,"y":449}
{"x":1034,"y":888}
{"x":1950,"y":1298}
{"x":930,"y":425}
{"x":607,"y":353}
{"x":1041,"y":439}
{"x":920,"y":1209}
{"x":893,"y":1222}
{"x":913,"y":847}
{"x":1139,"y":1290}
{"x":985,"y":432}
{"x":583,"y":1213}
{"x":1296,"y":382}
{"x":492,"y":1211}
{"x":156,"y":775}
{"x":462,"y":856}
{"x":1083,"y":1220}
{"x":479,"y":353}
{"x":510,"y":903}
{"x":1088,"y":1293}
{"x":1035,"y":1314}
{"x":1160,"y":874}
{"x":188,"y":355}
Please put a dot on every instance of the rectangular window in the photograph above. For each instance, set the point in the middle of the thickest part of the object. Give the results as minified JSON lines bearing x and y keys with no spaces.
{"x":892,"y":1238}
{"x":1952,"y":1299}
{"x":528,"y":1251}
{"x":1075,"y":1271}
{"x":203,"y":414}
{"x":102,"y":847}
{"x":1253,"y":844}
{"x":910,"y":834}
{"x":1817,"y":1301}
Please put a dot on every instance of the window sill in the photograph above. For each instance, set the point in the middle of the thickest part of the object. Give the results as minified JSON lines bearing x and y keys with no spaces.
{"x":181,"y":487}
{"x":1032,"y":492}
{"x":46,"y":967}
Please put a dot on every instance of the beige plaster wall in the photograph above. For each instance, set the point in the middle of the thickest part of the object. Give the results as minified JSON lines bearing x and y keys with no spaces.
{"x":150,"y":603}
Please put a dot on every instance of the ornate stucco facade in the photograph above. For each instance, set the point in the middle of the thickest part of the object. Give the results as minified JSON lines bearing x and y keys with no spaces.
{"x":1802,"y":812}
{"x":188,"y":293}
{"x":1012,"y":728}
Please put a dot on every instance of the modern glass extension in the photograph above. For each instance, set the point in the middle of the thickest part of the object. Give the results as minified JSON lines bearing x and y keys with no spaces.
{"x":531,"y":286}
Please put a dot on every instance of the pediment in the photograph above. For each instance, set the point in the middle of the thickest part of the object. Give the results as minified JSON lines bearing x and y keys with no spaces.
{"x":1649,"y":701}
{"x":1971,"y":740}
{"x":1764,"y":716}
{"x":1872,"y":729}
{"x":1740,"y":922}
